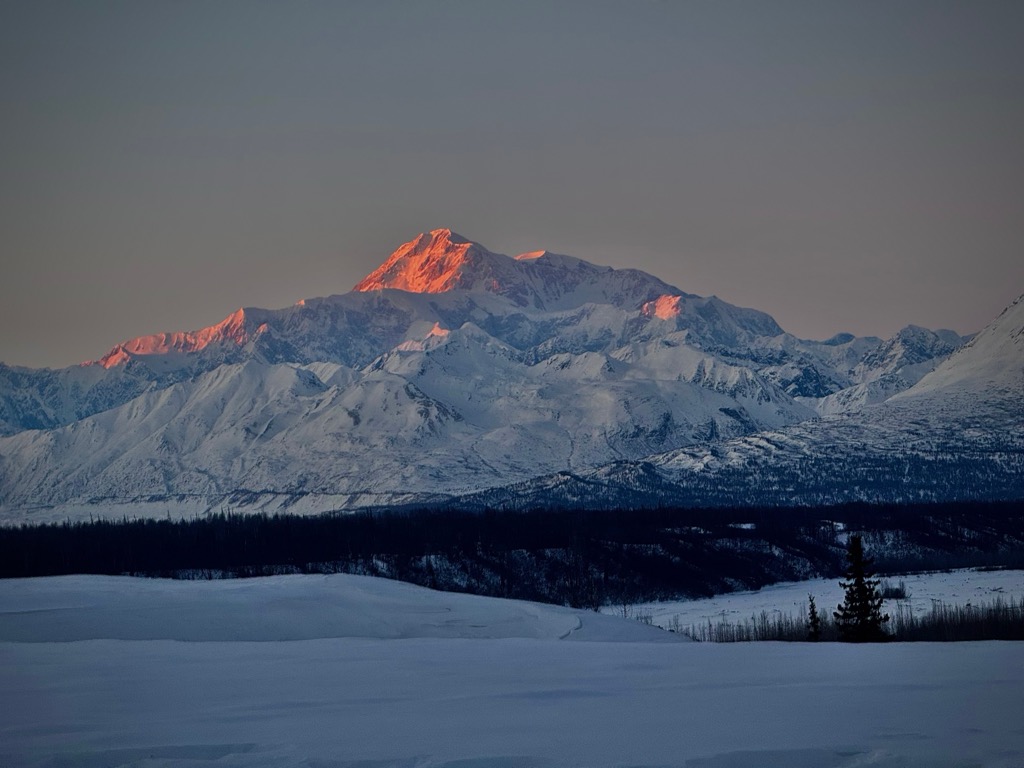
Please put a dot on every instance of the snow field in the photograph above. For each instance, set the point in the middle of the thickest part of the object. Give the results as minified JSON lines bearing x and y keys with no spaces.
{"x":279,"y":608}
{"x":425,"y":680}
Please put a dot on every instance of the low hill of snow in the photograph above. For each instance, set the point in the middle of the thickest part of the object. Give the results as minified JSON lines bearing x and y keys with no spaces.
{"x":274,"y":608}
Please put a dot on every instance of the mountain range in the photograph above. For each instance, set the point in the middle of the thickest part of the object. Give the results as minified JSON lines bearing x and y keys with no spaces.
{"x":457,"y":376}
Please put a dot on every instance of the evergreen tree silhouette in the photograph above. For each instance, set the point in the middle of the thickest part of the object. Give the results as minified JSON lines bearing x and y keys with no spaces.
{"x":813,"y":621}
{"x":859,"y":618}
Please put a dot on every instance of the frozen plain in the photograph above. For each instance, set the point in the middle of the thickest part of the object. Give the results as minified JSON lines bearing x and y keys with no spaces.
{"x":345,"y":671}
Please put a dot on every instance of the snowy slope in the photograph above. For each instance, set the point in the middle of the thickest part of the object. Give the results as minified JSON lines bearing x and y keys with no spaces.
{"x":402,"y":678}
{"x":265,"y":429}
{"x":990,"y":364}
{"x":957,"y":434}
{"x":891,"y":368}
{"x":269,"y":430}
{"x":275,"y":608}
{"x":43,"y":399}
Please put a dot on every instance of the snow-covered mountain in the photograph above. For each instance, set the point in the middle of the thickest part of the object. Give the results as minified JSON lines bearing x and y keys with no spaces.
{"x":957,"y":434}
{"x":448,"y":371}
{"x":895,"y":365}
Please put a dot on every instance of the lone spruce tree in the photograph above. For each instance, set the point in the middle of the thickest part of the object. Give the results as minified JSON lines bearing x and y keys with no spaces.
{"x":813,"y":621}
{"x":859,"y":618}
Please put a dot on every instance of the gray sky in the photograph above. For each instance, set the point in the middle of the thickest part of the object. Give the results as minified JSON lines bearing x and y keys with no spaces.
{"x":851,"y":166}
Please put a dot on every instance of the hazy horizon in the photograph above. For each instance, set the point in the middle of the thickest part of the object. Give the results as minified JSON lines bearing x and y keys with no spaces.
{"x":843,"y":167}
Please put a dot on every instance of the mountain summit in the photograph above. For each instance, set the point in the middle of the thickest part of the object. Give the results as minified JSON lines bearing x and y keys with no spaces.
{"x":433,"y":262}
{"x":441,"y":261}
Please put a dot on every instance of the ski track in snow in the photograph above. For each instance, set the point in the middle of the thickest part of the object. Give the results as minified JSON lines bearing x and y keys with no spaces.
{"x":386,"y":675}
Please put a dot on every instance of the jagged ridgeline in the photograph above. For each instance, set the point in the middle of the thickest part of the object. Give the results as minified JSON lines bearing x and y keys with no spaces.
{"x":459,"y":377}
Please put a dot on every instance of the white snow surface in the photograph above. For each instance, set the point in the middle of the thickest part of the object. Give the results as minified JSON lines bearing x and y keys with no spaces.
{"x":993,"y":361}
{"x":495,"y":689}
{"x":275,"y":608}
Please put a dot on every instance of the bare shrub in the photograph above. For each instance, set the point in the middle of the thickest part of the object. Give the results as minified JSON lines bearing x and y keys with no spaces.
{"x":996,"y":620}
{"x":892,"y":591}
{"x":999,"y":619}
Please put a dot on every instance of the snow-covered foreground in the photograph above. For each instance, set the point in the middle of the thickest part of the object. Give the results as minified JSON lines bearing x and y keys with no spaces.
{"x":380,"y":674}
{"x":789,"y":598}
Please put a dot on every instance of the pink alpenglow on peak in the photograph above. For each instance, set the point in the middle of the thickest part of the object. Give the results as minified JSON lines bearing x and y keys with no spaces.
{"x":663,"y":307}
{"x":232,"y":328}
{"x":435,"y":262}
{"x":531,"y":255}
{"x":440,"y":261}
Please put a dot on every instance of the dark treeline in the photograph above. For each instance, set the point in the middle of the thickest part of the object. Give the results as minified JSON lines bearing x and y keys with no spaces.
{"x":582,"y":558}
{"x":997,"y":619}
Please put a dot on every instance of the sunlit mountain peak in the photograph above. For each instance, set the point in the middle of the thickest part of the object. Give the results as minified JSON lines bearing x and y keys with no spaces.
{"x":432,"y":262}
{"x":235,"y":328}
{"x":531,"y":255}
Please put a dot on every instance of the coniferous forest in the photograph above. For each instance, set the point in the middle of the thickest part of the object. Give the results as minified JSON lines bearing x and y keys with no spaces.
{"x":579,"y":558}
